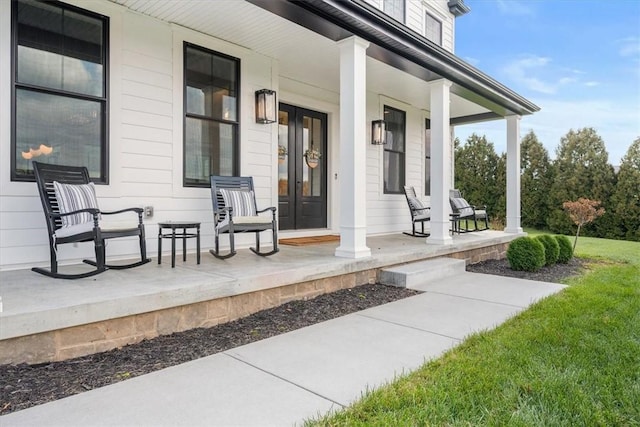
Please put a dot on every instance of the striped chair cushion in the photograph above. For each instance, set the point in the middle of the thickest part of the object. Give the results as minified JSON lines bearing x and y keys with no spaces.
{"x":72,"y":197}
{"x":242,"y":202}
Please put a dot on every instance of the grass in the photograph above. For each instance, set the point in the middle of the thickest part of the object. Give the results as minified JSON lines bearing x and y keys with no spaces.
{"x":571,"y":359}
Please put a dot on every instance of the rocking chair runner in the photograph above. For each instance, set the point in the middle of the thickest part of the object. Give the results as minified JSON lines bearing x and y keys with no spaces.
{"x":234,"y":211}
{"x":419,"y":212}
{"x":467,"y":212}
{"x":72,"y":215}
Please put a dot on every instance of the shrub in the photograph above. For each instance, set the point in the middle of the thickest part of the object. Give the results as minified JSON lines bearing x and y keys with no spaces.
{"x":526,"y":254}
{"x":551,"y":248}
{"x":566,"y":250}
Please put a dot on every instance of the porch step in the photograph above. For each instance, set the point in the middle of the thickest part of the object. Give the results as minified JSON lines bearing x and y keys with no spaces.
{"x":415,"y":274}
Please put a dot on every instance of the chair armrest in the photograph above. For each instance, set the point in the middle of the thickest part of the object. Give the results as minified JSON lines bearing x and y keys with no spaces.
{"x":137,"y":210}
{"x":270,"y":208}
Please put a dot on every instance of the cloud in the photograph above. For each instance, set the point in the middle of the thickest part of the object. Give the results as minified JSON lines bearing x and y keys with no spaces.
{"x":513,"y":7}
{"x":592,"y":84}
{"x":629,"y":47}
{"x":537,"y":73}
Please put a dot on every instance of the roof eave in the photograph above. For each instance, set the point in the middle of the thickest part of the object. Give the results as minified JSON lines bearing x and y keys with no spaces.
{"x":356,"y":17}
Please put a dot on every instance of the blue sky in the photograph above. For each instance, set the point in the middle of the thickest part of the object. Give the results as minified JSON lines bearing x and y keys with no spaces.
{"x":578,"y":60}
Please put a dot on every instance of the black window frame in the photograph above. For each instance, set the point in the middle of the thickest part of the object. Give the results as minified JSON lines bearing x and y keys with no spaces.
{"x":401,"y":154}
{"x":235,"y":123}
{"x":103,"y":100}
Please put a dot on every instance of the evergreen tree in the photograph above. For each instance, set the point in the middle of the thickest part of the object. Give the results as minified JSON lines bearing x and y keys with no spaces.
{"x":626,"y":197}
{"x":581,"y":170}
{"x":476,"y":169}
{"x":536,"y":179}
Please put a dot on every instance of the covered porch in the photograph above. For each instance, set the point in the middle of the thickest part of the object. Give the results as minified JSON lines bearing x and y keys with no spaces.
{"x":45,"y":319}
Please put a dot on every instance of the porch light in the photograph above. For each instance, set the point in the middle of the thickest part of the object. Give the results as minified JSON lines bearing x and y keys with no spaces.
{"x":378,"y":132}
{"x":266,"y":106}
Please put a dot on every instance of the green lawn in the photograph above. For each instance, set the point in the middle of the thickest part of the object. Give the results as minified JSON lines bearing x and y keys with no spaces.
{"x":572,"y":359}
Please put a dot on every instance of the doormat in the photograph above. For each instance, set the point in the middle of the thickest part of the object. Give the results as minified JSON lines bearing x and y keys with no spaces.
{"x":312,"y":240}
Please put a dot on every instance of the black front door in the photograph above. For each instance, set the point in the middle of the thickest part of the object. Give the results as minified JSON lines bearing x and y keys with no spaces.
{"x":302,"y":168}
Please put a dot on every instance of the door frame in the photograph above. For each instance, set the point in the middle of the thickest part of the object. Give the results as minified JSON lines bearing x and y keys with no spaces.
{"x":296,"y":168}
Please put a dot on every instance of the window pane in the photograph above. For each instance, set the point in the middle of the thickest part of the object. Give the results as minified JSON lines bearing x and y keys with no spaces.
{"x":59,"y":130}
{"x":394,"y":172}
{"x":211,"y":85}
{"x":394,"y":8}
{"x":433,"y":30}
{"x":395,"y":129}
{"x":209,"y":150}
{"x":60,"y":49}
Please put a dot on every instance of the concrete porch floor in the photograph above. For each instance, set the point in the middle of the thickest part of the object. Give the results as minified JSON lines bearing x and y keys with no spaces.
{"x":35,"y":305}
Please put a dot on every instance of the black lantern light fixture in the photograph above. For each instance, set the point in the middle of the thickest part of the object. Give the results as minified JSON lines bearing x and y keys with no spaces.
{"x":378,"y":132}
{"x":266,"y":106}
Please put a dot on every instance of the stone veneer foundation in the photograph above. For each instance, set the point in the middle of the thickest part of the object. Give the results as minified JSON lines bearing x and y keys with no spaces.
{"x":106,"y":335}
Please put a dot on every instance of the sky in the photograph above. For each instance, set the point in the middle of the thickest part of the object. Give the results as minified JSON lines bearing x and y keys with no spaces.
{"x":578,"y":60}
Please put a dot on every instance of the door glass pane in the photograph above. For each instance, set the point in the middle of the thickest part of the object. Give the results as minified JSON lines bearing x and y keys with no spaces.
{"x":427,"y":162}
{"x":283,"y":153}
{"x":312,"y":140}
{"x":59,"y":130}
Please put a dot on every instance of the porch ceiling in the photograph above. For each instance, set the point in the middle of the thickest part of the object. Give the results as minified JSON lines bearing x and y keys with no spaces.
{"x":307,"y":56}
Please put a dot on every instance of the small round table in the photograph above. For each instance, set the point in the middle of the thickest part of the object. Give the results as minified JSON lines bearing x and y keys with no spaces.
{"x":173,"y":226}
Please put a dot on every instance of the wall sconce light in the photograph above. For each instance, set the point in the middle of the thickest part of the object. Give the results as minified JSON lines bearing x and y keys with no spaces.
{"x":266,"y":106}
{"x":378,"y":132}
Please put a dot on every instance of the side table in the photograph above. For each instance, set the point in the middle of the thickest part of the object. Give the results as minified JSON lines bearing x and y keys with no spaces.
{"x":173,"y":226}
{"x":455,"y":223}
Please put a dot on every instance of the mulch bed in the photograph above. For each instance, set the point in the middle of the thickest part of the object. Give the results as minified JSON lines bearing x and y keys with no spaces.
{"x":23,"y":386}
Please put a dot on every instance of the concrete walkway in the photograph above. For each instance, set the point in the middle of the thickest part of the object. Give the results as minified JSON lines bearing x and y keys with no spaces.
{"x":286,"y":379}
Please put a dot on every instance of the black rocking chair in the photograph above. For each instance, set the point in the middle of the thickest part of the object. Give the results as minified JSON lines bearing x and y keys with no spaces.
{"x":467,"y":212}
{"x":78,"y":219}
{"x":419,"y":212}
{"x":234,"y":211}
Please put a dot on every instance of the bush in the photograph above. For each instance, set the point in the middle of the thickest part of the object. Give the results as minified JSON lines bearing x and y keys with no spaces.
{"x":551,"y":248}
{"x":566,"y":250}
{"x":526,"y":254}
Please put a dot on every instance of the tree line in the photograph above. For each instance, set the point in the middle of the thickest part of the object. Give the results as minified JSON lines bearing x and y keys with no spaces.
{"x":581,"y":169}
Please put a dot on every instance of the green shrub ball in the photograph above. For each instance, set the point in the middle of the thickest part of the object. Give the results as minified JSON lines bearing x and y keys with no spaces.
{"x":566,"y":250}
{"x":526,"y":254}
{"x":551,"y":248}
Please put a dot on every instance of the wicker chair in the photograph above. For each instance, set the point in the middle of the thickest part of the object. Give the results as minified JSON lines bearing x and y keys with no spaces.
{"x":234,"y":211}
{"x":72,"y":215}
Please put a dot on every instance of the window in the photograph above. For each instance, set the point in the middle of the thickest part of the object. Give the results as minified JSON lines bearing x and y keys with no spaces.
{"x":394,"y":151}
{"x":60,"y":74}
{"x":427,"y":157}
{"x":394,"y":8}
{"x":433,"y":29}
{"x":211,"y":115}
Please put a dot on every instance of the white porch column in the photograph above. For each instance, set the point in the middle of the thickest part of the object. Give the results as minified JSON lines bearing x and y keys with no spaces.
{"x":441,"y":181}
{"x":513,"y":175}
{"x":353,"y":148}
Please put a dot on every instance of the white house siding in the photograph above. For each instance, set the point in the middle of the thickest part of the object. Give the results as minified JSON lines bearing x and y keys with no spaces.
{"x":415,"y":17}
{"x":389,"y":213}
{"x":145,"y":138}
